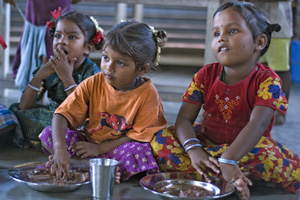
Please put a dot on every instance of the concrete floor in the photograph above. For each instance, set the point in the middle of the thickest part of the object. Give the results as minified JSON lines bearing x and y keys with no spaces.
{"x":288,"y":135}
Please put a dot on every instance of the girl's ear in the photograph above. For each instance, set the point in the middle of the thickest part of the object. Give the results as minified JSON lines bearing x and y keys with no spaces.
{"x":88,"y":48}
{"x":144,"y":69}
{"x":261,"y":42}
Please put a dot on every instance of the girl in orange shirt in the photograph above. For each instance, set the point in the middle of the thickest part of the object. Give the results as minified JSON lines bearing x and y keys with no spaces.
{"x":120,"y":109}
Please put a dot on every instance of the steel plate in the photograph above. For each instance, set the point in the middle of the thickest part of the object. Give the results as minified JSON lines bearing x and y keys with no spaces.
{"x":160,"y":183}
{"x":20,"y":173}
{"x":176,"y":186}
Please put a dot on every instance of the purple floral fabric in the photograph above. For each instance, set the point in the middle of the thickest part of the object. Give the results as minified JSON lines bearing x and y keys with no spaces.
{"x":133,"y":157}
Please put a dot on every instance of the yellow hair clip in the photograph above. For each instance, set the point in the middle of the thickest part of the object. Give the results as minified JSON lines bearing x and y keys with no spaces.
{"x":157,"y":47}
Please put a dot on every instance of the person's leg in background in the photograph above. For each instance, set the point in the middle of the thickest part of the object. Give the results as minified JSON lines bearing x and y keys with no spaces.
{"x":278,"y":58}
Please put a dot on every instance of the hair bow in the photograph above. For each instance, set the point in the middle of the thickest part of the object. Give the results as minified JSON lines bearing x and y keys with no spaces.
{"x":98,"y":37}
{"x":56,"y":14}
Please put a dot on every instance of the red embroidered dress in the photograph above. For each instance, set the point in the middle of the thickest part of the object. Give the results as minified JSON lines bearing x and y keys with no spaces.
{"x":227,"y":108}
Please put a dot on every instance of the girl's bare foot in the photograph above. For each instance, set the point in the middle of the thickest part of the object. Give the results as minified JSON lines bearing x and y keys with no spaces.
{"x":242,"y":189}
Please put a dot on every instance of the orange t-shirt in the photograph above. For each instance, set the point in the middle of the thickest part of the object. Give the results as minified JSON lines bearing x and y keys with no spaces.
{"x":138,"y":113}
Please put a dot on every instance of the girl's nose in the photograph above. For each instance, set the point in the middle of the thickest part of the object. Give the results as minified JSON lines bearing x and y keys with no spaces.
{"x":110,"y":66}
{"x":63,"y":40}
{"x":222,"y":37}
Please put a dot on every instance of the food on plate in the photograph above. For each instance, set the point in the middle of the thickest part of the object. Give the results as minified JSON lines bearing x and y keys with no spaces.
{"x":195,"y":192}
{"x":185,"y":188}
{"x":43,"y":175}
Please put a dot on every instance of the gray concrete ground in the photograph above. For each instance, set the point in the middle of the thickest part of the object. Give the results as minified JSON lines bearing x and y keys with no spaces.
{"x":288,"y":135}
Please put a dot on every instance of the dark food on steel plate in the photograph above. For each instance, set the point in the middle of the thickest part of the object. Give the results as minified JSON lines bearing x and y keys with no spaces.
{"x":195,"y":192}
{"x":44,"y":176}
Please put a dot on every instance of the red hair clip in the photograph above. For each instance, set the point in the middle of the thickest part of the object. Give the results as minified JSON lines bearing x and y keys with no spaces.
{"x":50,"y":24}
{"x":98,"y":37}
{"x":56,"y":14}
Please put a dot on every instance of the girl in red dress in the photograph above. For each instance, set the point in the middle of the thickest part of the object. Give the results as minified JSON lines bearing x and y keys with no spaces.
{"x":239,"y":97}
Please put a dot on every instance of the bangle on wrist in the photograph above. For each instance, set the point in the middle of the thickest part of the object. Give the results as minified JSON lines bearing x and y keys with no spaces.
{"x":192,"y":146}
{"x":226,"y":161}
{"x":33,"y":87}
{"x":188,"y":140}
{"x":69,"y":87}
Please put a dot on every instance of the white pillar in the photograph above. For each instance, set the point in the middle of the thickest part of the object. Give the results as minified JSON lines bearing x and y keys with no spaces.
{"x":121,"y":12}
{"x":138,"y":12}
{"x":5,"y":32}
{"x":7,"y":39}
{"x":208,"y":54}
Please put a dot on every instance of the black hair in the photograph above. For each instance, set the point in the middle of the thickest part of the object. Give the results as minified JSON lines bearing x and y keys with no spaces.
{"x":85,"y":24}
{"x":136,"y":40}
{"x":256,"y":19}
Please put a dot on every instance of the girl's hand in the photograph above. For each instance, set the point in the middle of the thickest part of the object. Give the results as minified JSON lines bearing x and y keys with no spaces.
{"x":232,"y":172}
{"x":45,"y":71}
{"x":85,"y":149}
{"x":61,"y":65}
{"x":28,"y":98}
{"x":59,"y":164}
{"x":204,"y":163}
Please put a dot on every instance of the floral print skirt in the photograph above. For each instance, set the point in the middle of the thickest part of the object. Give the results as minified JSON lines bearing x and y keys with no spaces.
{"x":268,"y":161}
{"x":133,"y":157}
